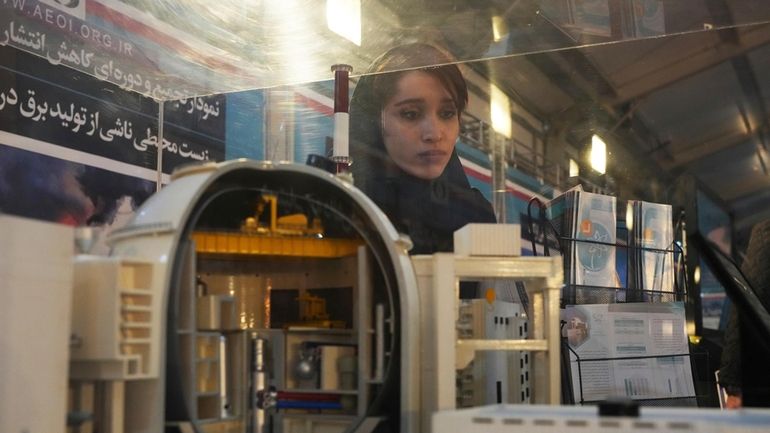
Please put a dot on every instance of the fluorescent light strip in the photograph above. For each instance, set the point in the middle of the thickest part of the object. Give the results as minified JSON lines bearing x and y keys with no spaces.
{"x":76,"y":156}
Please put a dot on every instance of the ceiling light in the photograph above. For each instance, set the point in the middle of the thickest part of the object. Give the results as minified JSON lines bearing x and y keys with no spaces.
{"x":500,"y":108}
{"x":344,"y":18}
{"x":499,"y":28}
{"x":630,"y":217}
{"x":574,"y":168}
{"x":696,"y":275}
{"x":598,"y":154}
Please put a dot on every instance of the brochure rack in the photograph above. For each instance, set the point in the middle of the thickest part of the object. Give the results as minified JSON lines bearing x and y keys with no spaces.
{"x":628,"y":288}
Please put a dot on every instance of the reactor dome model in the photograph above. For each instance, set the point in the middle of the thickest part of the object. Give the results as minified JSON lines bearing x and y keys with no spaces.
{"x":279,"y":302}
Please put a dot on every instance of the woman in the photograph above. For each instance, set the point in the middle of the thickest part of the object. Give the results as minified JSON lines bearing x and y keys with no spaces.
{"x":404,"y":126}
{"x":744,"y":377}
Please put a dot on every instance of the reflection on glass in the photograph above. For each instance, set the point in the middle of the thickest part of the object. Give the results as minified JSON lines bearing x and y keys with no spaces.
{"x":675,"y":87}
{"x":172,"y":48}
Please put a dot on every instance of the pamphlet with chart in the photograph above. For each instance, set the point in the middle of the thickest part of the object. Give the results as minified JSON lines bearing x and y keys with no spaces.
{"x":639,"y":351}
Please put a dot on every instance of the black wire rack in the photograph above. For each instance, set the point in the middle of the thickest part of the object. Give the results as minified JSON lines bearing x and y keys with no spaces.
{"x":547,"y":240}
{"x":542,"y":232}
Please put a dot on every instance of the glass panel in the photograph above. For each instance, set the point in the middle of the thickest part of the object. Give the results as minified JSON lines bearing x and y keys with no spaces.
{"x":172,"y":49}
{"x":672,"y":88}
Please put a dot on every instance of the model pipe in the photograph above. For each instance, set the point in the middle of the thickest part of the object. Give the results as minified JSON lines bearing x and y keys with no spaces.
{"x":224,"y":398}
{"x":340,"y":153}
{"x":271,"y":398}
{"x":379,"y":318}
{"x":259,"y":379}
{"x":308,"y":405}
{"x":306,"y":396}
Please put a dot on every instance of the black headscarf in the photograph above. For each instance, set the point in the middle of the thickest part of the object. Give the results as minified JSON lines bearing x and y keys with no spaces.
{"x":429,"y":211}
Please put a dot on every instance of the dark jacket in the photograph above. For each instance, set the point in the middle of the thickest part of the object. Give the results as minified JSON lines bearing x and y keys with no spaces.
{"x":738,"y":371}
{"x":430,"y":211}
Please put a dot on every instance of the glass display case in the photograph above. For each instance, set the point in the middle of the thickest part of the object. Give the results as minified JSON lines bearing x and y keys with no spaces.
{"x":102,"y":100}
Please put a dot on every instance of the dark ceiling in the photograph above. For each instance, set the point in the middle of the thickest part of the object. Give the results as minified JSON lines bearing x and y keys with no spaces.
{"x":692,"y":103}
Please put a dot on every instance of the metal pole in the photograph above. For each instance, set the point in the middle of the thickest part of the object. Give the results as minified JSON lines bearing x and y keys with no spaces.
{"x":159,"y":147}
{"x":499,"y":166}
{"x":340,"y":153}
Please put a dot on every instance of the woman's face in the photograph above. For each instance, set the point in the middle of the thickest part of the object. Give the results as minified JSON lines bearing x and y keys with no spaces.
{"x":420,"y":125}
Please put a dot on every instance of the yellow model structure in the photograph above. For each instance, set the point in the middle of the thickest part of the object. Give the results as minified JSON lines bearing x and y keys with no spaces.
{"x":312,"y":313}
{"x":290,"y":235}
